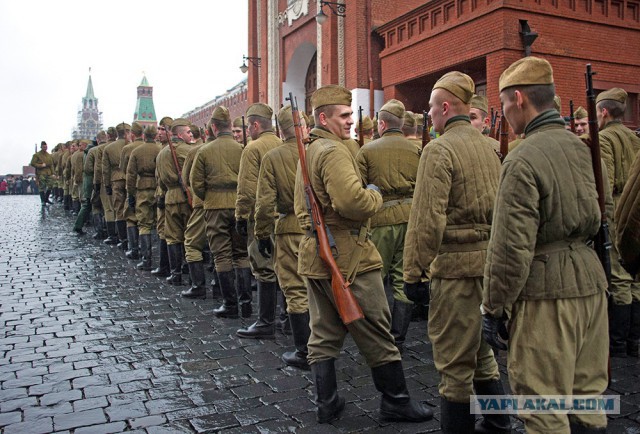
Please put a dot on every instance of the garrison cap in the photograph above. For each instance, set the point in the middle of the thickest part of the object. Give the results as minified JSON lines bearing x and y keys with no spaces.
{"x":480,"y":102}
{"x":394,"y":107}
{"x":221,"y":113}
{"x":615,"y":94}
{"x":166,"y":122}
{"x":557,"y":103}
{"x":459,"y":84}
{"x":180,"y":122}
{"x":419,"y":117}
{"x":237,"y":122}
{"x":84,"y":141}
{"x":136,"y":128}
{"x":151,"y":131}
{"x":580,"y":113}
{"x":331,"y":94}
{"x":409,"y":119}
{"x":285,"y":117}
{"x":367,"y":123}
{"x":260,"y":109}
{"x":526,"y":71}
{"x":122,"y":127}
{"x":111,"y":131}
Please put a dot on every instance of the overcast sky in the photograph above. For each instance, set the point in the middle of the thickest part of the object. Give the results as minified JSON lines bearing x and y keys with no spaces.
{"x":189,"y":50}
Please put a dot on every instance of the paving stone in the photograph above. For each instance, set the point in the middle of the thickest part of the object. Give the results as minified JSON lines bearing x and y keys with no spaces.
{"x":93,"y":391}
{"x":40,"y":426}
{"x":39,"y":412}
{"x":49,"y":387}
{"x":148,"y":421}
{"x":214,"y":422}
{"x":16,"y":404}
{"x":55,"y":398}
{"x":158,"y":406}
{"x":12,"y":394}
{"x":107,"y":428}
{"x":79,"y":419}
{"x":90,"y":403}
{"x":10,"y":418}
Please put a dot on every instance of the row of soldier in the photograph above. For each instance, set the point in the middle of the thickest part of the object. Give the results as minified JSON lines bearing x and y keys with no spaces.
{"x":447,"y":225}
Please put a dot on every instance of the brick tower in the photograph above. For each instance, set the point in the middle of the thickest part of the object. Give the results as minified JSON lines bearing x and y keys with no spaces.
{"x":89,"y":117}
{"x":145,"y":113}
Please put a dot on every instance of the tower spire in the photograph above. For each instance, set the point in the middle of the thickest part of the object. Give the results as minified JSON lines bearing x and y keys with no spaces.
{"x":90,"y":87}
{"x":145,"y":113}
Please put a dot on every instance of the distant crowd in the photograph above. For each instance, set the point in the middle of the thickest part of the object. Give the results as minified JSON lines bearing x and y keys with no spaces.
{"x":18,"y":185}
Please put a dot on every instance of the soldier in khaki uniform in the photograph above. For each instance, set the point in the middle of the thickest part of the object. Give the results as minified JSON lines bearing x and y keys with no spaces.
{"x":237,"y":131}
{"x":409,"y":129}
{"x":479,"y":116}
{"x":347,"y":205}
{"x":133,"y":235}
{"x":43,"y":163}
{"x":544,"y":287}
{"x":581,"y":119}
{"x":275,"y":192}
{"x":77,"y":170}
{"x":65,"y":173}
{"x":214,"y":179}
{"x":367,"y":129}
{"x":87,"y":189}
{"x":95,"y":204}
{"x":195,"y":235}
{"x":141,"y":186}
{"x":391,"y":163}
{"x":446,"y":241}
{"x":55,"y":156}
{"x":628,"y":222}
{"x":99,"y":187}
{"x":177,"y":207}
{"x":620,"y":148}
{"x":113,"y":179}
{"x":263,"y":140}
{"x":164,"y":135}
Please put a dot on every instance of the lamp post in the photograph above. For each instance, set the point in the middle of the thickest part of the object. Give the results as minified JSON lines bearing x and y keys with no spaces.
{"x":255,"y":60}
{"x":336,"y":8}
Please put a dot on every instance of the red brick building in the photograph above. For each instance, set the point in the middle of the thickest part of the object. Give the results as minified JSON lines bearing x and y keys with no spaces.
{"x":383,"y":49}
{"x":235,"y":99}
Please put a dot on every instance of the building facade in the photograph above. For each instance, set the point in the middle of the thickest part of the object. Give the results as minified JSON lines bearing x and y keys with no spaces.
{"x":89,"y":117}
{"x":145,"y":113}
{"x":234,"y":99}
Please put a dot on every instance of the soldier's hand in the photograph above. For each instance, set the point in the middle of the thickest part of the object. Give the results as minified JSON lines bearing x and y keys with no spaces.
{"x":108,"y":190}
{"x":160,"y":203}
{"x":132,"y":201}
{"x":96,"y":188}
{"x":265,"y":247}
{"x":494,"y":331}
{"x":241,"y":227}
{"x":373,"y":187}
{"x":417,"y":292}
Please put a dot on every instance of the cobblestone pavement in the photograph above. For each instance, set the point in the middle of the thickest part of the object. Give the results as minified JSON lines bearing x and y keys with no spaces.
{"x":91,"y":345}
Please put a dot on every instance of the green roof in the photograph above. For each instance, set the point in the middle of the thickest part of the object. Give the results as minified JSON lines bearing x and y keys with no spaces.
{"x":144,"y":81}
{"x":90,"y":90}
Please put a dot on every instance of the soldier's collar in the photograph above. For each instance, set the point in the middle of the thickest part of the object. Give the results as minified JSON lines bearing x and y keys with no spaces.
{"x":457,"y":118}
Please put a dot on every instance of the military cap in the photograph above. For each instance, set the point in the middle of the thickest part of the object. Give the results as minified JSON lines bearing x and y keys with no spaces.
{"x":394,"y":107}
{"x":419,"y":117}
{"x":237,"y":122}
{"x":367,"y":123}
{"x":166,"y":122}
{"x":615,"y":94}
{"x":409,"y":119}
{"x":331,"y":94}
{"x":580,"y":113}
{"x":260,"y":109}
{"x":151,"y":131}
{"x":459,"y":84}
{"x":180,"y":122}
{"x":285,"y":117}
{"x":85,"y":141}
{"x":557,"y":103}
{"x":526,"y":71}
{"x":221,"y":113}
{"x":480,"y":102}
{"x":111,"y":131}
{"x":42,"y":143}
{"x":136,"y":128}
{"x":122,"y":127}
{"x":306,"y":118}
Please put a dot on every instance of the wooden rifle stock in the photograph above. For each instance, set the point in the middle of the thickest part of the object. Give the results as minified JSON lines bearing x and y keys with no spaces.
{"x":492,"y":128}
{"x":572,"y":119}
{"x":426,"y":137}
{"x":346,"y":304}
{"x":244,"y":134}
{"x":504,"y":136}
{"x":602,"y":243}
{"x":360,"y":133}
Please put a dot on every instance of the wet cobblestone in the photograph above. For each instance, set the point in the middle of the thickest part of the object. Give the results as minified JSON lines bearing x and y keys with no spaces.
{"x":89,"y":344}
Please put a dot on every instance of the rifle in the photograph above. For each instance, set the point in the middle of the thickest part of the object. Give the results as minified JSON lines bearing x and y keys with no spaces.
{"x":426,"y":137}
{"x":244,"y":134}
{"x":346,"y":304}
{"x":492,"y":129}
{"x":360,"y":133}
{"x":504,"y":136}
{"x":184,"y":188}
{"x":277,"y":126}
{"x":602,"y":243}
{"x":572,"y":119}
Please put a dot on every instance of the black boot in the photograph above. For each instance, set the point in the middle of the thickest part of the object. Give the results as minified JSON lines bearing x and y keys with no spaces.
{"x":576,"y":428}
{"x":175,"y":262}
{"x":46,"y":197}
{"x":243,"y":288}
{"x":301,"y":332}
{"x":75,"y":206}
{"x":491,"y":423}
{"x":619,"y":322}
{"x":215,"y":286}
{"x":400,"y":320}
{"x":198,"y":286}
{"x":455,"y":417}
{"x":283,"y":325}
{"x":145,"y":252}
{"x":133,"y":236}
{"x":633,"y":338}
{"x":229,"y":308}
{"x":330,"y":405}
{"x":163,"y":268}
{"x":396,"y":403}
{"x":121,"y":229}
{"x":98,"y":226}
{"x":42,"y":201}
{"x":67,"y":202}
{"x":264,"y":327}
{"x":112,"y":237}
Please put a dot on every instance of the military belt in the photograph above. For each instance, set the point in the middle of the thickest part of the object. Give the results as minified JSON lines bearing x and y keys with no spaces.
{"x":464,"y":247}
{"x":390,"y":203}
{"x":559,"y":246}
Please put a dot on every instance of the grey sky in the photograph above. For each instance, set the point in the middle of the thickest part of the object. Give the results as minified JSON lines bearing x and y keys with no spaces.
{"x":190,"y":52}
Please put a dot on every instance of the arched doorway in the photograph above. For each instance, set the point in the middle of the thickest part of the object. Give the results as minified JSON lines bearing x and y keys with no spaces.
{"x":311,"y":82}
{"x":300,"y":80}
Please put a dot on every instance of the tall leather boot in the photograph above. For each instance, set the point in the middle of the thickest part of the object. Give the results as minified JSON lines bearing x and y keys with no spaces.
{"x":112,"y":237}
{"x":264,"y":327}
{"x":330,"y":404}
{"x":215,"y":285}
{"x":198,"y":286}
{"x":400,"y":320}
{"x":75,"y":206}
{"x":491,"y":423}
{"x":229,"y":308}
{"x":633,"y":338}
{"x":98,"y":226}
{"x":42,"y":201}
{"x":67,"y":202}
{"x":576,"y":428}
{"x":396,"y":403}
{"x":619,"y":322}
{"x":163,"y":268}
{"x":455,"y":417}
{"x":283,"y":325}
{"x":243,"y":288}
{"x":121,"y":229}
{"x":145,"y":252}
{"x":133,"y":236}
{"x":301,"y":333}
{"x":46,"y":197}
{"x":175,"y":263}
